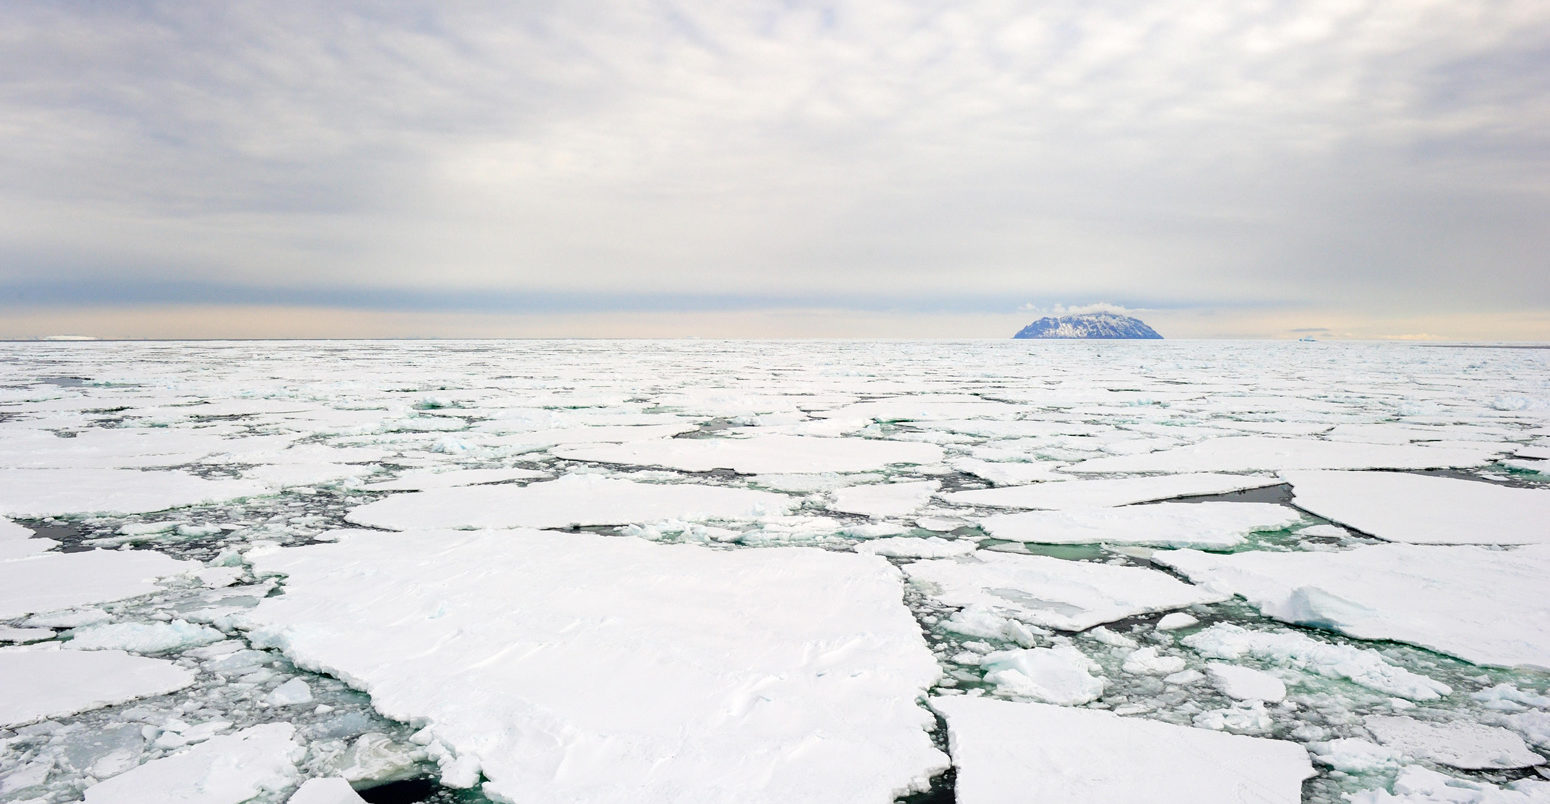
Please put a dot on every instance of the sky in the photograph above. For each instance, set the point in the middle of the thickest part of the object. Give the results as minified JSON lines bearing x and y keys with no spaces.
{"x":1218,"y":168}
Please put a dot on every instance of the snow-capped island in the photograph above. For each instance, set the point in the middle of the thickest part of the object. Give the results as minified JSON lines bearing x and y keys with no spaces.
{"x":1094,"y":326}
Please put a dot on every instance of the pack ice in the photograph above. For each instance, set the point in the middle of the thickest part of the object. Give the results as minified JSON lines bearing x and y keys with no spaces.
{"x":1209,"y":524}
{"x":763,"y":454}
{"x":578,"y":667}
{"x":1420,"y":509}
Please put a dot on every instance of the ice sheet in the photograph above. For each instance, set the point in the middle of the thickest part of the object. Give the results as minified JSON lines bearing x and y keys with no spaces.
{"x":1107,"y":492}
{"x":1262,"y":453}
{"x":1419,"y":509}
{"x":52,"y":581}
{"x":584,"y":667}
{"x":1483,"y":606}
{"x":229,"y":769}
{"x":765,"y":454}
{"x":1019,"y":752}
{"x":571,"y":500}
{"x":1208,"y":524}
{"x":38,"y":683}
{"x":1068,"y":595}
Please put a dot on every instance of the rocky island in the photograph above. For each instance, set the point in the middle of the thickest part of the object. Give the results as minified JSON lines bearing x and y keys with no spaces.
{"x":1098,"y":326}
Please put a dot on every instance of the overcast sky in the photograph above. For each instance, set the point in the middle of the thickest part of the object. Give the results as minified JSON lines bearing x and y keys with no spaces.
{"x":1235,"y":168}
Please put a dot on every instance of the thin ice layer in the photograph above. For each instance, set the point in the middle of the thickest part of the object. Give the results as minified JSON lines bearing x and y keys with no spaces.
{"x":36,"y":683}
{"x":582,"y":667}
{"x":765,"y":454}
{"x":1263,"y":453}
{"x":53,"y":581}
{"x":1208,"y":524}
{"x":51,"y":492}
{"x":1107,"y":492}
{"x":1052,"y":592}
{"x":1419,"y":509}
{"x":229,"y":769}
{"x":571,"y":500}
{"x":1483,"y":606}
{"x":1010,"y":753}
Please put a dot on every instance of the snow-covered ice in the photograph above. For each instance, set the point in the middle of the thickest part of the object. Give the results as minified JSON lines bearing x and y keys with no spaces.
{"x":1205,"y":524}
{"x":333,"y":790}
{"x":1467,"y":746}
{"x":1420,"y":509}
{"x":884,"y":499}
{"x":48,"y":492}
{"x":1420,"y":785}
{"x":1060,"y":675}
{"x":1245,"y":683}
{"x":1018,"y":752}
{"x":229,"y":769}
{"x":1108,"y":492}
{"x":1301,"y":652}
{"x":37,"y":683}
{"x":764,"y":454}
{"x":53,"y":581}
{"x":151,"y":637}
{"x":1262,"y":453}
{"x":915,"y":547}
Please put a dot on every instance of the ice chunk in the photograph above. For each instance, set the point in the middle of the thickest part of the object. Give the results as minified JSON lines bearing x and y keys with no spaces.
{"x":1242,"y":716}
{"x":1174,"y":621}
{"x":37,"y":684}
{"x":1289,"y":649}
{"x":1008,"y":473}
{"x":1245,"y":683}
{"x":1017,"y":752}
{"x":575,"y":666}
{"x":1483,"y":606}
{"x":912,"y":547}
{"x":765,"y":454}
{"x":17,"y":542}
{"x":1419,"y":509}
{"x":1263,"y":453}
{"x":1060,"y":675}
{"x":884,"y":499}
{"x":425,"y":479}
{"x":49,"y":492}
{"x":1147,"y":662}
{"x":53,"y":581}
{"x":222,"y":770}
{"x":1354,"y":755}
{"x":570,"y":500}
{"x":1207,"y":524}
{"x":10,"y":634}
{"x":1069,"y":595}
{"x":1418,"y":785}
{"x":1467,"y":746}
{"x":333,"y":790}
{"x":291,"y":693}
{"x":1107,"y":493}
{"x":149,"y":637}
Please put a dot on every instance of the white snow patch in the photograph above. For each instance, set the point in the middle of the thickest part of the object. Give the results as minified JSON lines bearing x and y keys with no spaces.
{"x":1418,"y":785}
{"x":426,"y":479}
{"x":147,"y":637}
{"x":333,"y":790}
{"x":914,"y":547}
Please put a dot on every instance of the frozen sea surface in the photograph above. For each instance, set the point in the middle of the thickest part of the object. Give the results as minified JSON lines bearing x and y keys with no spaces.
{"x":798,"y":571}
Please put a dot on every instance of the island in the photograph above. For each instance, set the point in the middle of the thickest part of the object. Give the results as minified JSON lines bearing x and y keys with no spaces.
{"x":1089,"y":326}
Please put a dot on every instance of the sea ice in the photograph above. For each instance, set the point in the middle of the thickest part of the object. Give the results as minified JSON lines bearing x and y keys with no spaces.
{"x":1298,"y":651}
{"x":1018,"y":752}
{"x":1262,"y":453}
{"x":1060,"y":675}
{"x":39,"y":683}
{"x":425,"y":479}
{"x":1147,"y":662}
{"x":1207,"y":524}
{"x":1176,"y":620}
{"x":1418,"y":785}
{"x":229,"y":769}
{"x":54,"y":581}
{"x":914,"y":547}
{"x":1419,"y":509}
{"x":1481,"y":605}
{"x":1008,"y":473}
{"x":1245,"y":683}
{"x":1068,"y":595}
{"x":884,"y":499}
{"x":333,"y":790}
{"x":1107,"y":492}
{"x":1354,"y":755}
{"x":764,"y":454}
{"x":1467,"y":746}
{"x":148,"y":637}
{"x":49,"y":492}
{"x":570,"y":500}
{"x":585,"y":667}
{"x":17,"y":541}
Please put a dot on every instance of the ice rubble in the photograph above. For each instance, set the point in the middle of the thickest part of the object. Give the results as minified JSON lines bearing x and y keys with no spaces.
{"x":884,"y":499}
{"x":1207,"y":524}
{"x":915,"y":547}
{"x":1484,"y":606}
{"x":571,"y":500}
{"x":1060,"y":675}
{"x":1419,"y":509}
{"x":1017,"y":752}
{"x":1068,"y":595}
{"x":764,"y":454}
{"x":578,"y":666}
{"x":1467,"y":746}
{"x":151,"y":637}
{"x":50,"y":492}
{"x":39,"y":682}
{"x":1262,"y":453}
{"x":1301,"y":652}
{"x":53,"y":581}
{"x":1107,"y":492}
{"x":229,"y":769}
{"x":1418,"y":785}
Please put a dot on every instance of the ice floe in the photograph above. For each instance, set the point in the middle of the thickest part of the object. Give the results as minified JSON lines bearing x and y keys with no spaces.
{"x":38,"y":683}
{"x":1068,"y":595}
{"x":151,"y":637}
{"x":1060,"y":675}
{"x":425,"y":479}
{"x":1301,"y":652}
{"x":229,"y":769}
{"x":1262,"y":453}
{"x":1016,"y":752}
{"x":578,"y":666}
{"x":334,"y":790}
{"x":1484,"y":606}
{"x":1107,"y":492}
{"x":1245,"y":683}
{"x":1467,"y":746}
{"x":1205,"y":524}
{"x":765,"y":454}
{"x":1420,"y":509}
{"x":915,"y":547}
{"x":1418,"y":785}
{"x":50,"y":492}
{"x":884,"y":499}
{"x":53,"y":581}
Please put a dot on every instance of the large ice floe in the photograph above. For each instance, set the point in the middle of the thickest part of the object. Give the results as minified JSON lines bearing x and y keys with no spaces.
{"x":44,"y":492}
{"x":1108,"y":492}
{"x":229,"y":769}
{"x":1419,"y":509}
{"x":1481,"y":605}
{"x":39,"y":683}
{"x":1208,"y":524}
{"x":760,"y":454}
{"x":51,"y":581}
{"x":1015,"y":752}
{"x":1249,"y":453}
{"x":578,"y":667}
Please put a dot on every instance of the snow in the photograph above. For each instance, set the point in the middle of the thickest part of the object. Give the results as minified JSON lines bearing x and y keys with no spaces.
{"x":149,"y":637}
{"x":1263,"y":453}
{"x":425,"y":479}
{"x":764,"y":454}
{"x":571,"y":500}
{"x":914,"y":547}
{"x":1206,"y":524}
{"x":51,"y":492}
{"x":1467,"y":746}
{"x":1301,"y":652}
{"x":1068,"y":595}
{"x":578,"y":666}
{"x":1245,"y":683}
{"x":1419,"y":509}
{"x":1060,"y":675}
{"x":326,"y":791}
{"x":884,"y":499}
{"x":1418,"y":785}
{"x":53,"y":581}
{"x":1108,"y":492}
{"x":1019,"y":752}
{"x":229,"y":769}
{"x":1483,"y":606}
{"x":39,"y":683}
